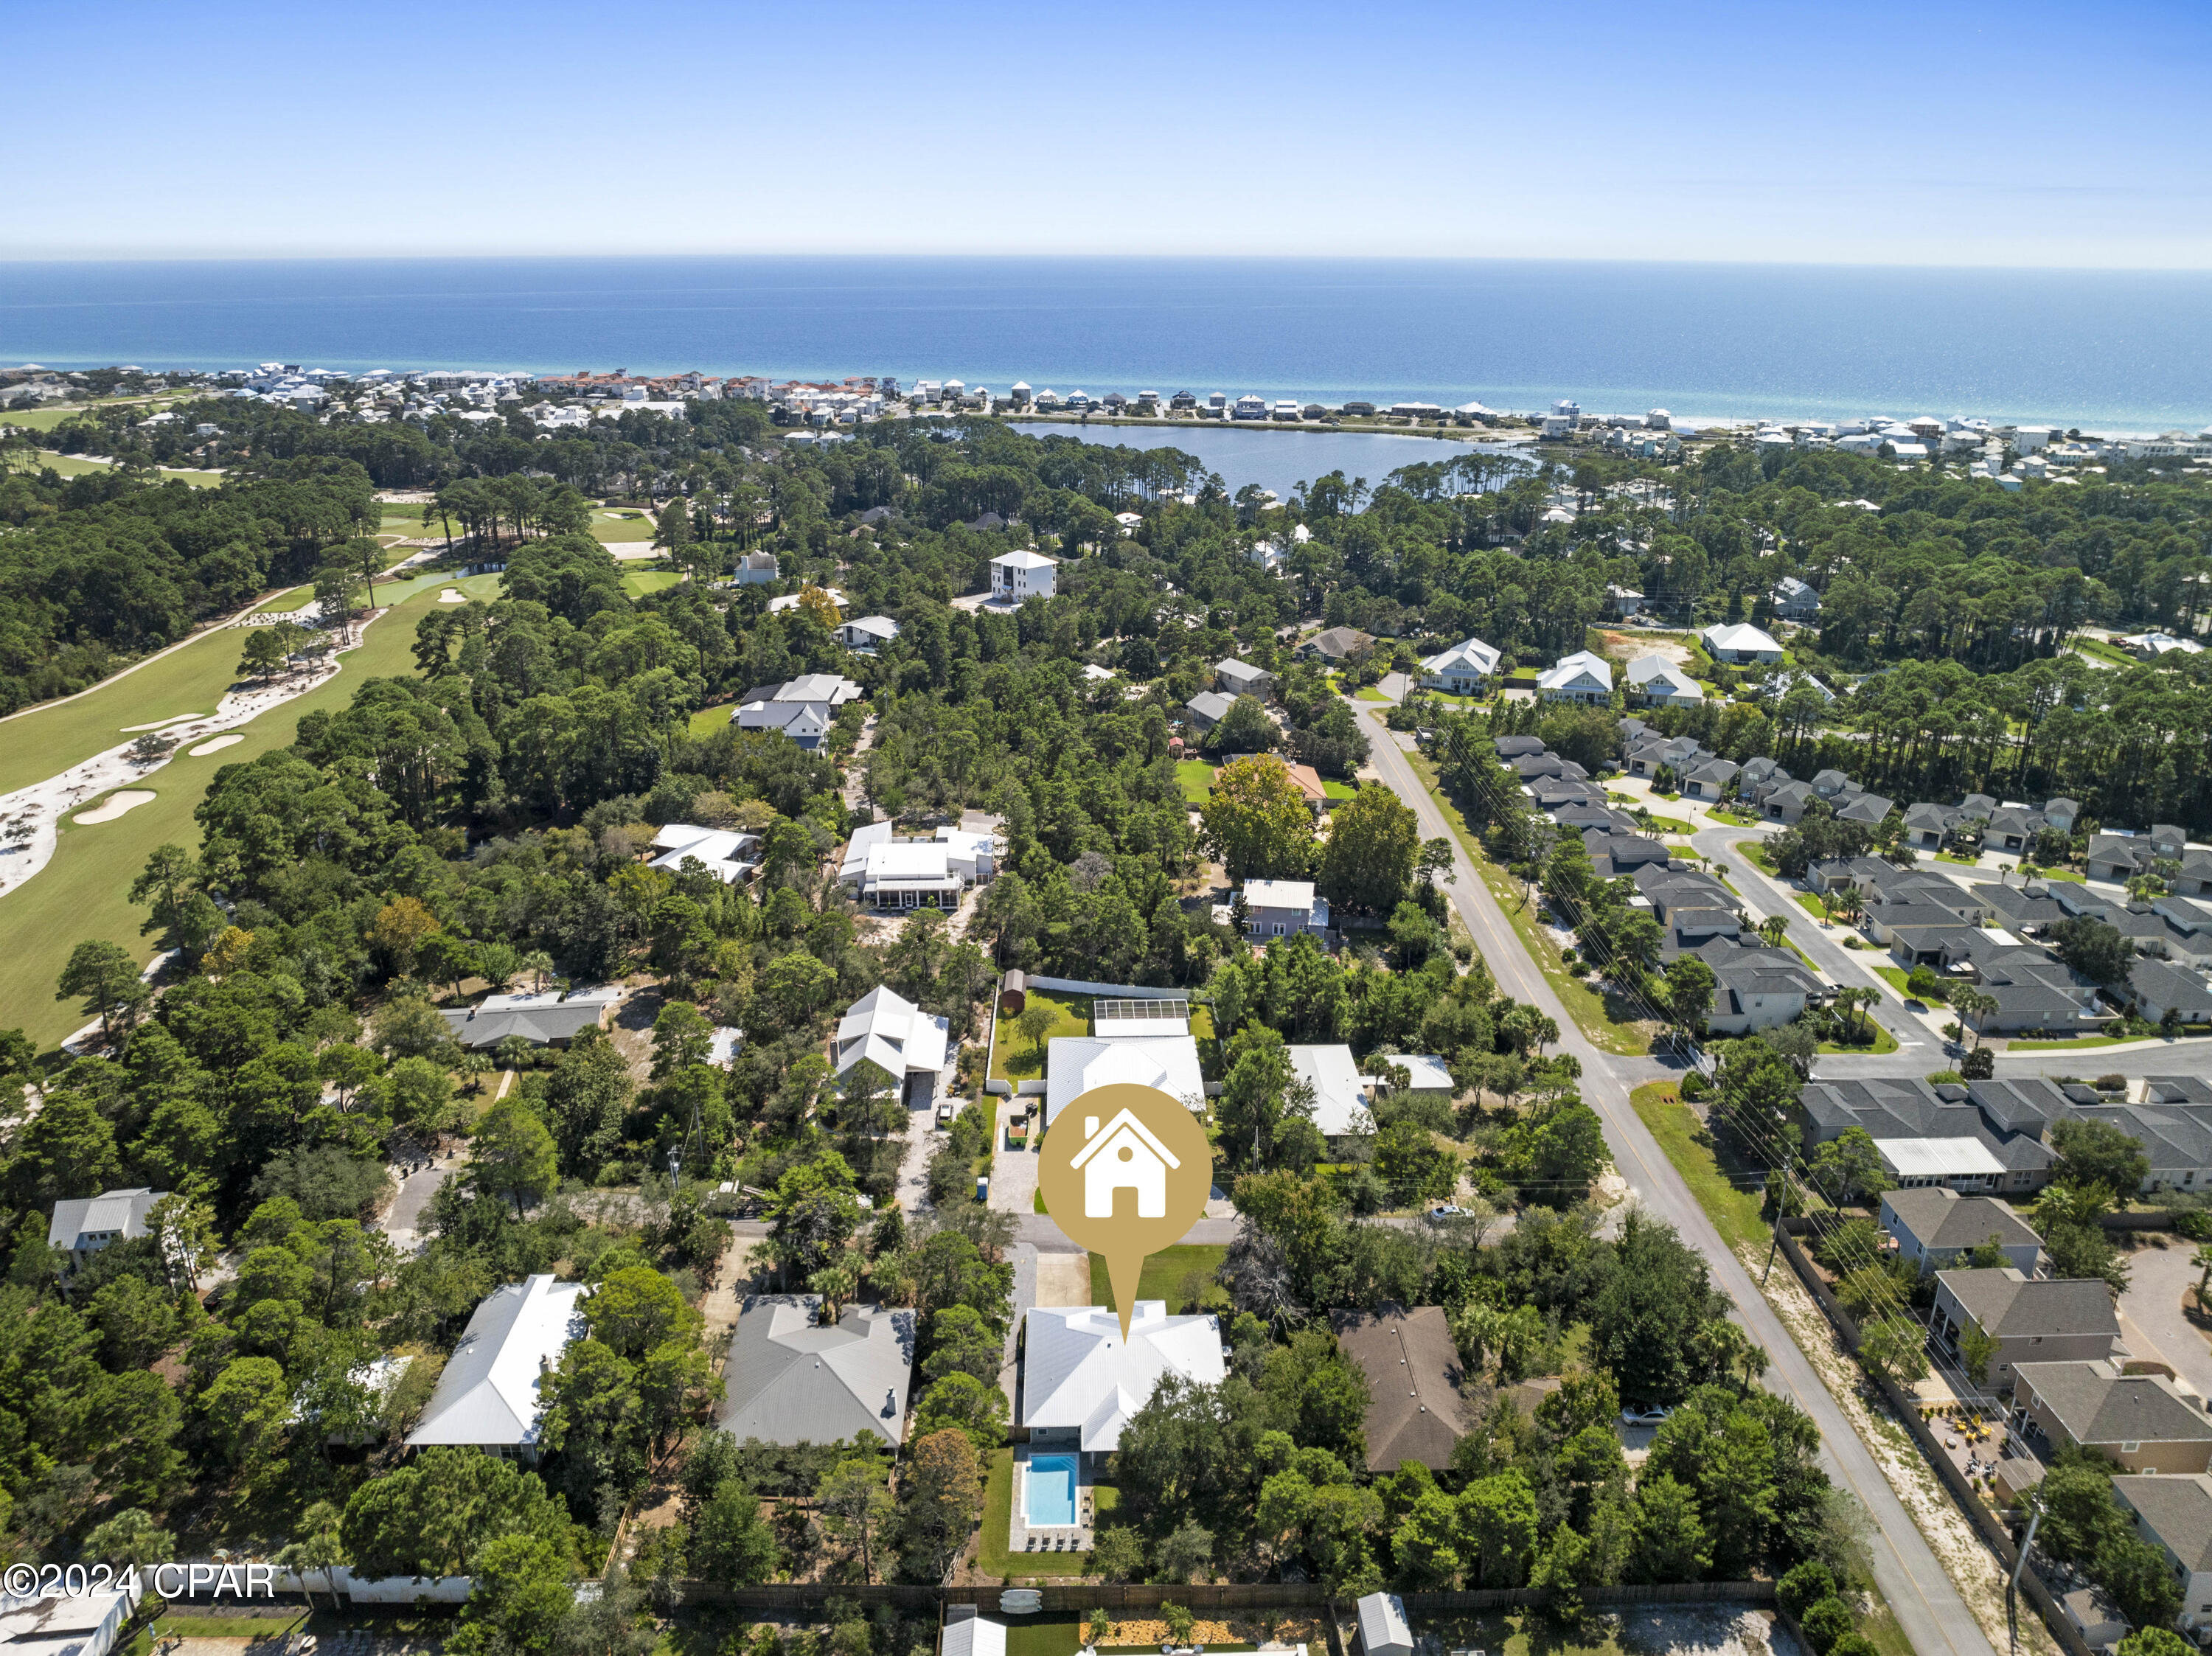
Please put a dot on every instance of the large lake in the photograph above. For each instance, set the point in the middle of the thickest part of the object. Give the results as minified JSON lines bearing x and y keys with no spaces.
{"x":1277,"y":457}
{"x":2110,"y":349}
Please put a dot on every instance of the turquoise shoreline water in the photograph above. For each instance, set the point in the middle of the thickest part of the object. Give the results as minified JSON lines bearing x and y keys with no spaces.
{"x":2124,"y":350}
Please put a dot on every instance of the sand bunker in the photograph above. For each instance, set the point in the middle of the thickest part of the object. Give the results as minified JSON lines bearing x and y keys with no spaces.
{"x":452,"y":595}
{"x":216,"y":744}
{"x":115,"y":804}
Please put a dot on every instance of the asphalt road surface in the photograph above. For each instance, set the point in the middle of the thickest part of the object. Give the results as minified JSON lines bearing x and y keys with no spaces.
{"x":1927,"y":1606}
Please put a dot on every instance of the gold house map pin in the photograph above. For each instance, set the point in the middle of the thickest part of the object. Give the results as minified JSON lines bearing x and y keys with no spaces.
{"x":1124,"y":1170}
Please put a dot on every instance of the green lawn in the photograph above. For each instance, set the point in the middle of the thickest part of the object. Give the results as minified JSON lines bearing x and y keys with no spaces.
{"x":1735,"y":818}
{"x":79,"y":894}
{"x":991,"y":1557}
{"x":72,"y":465}
{"x":1894,"y":976}
{"x":1012,"y":1057}
{"x":707,"y":720}
{"x":2104,"y":652}
{"x":1337,"y":791}
{"x":2081,"y":1044}
{"x":1733,"y":1208}
{"x":1755,"y":852}
{"x":1883,"y":1042}
{"x":299,"y":597}
{"x":638,"y":582}
{"x":1163,"y":1275}
{"x":1372,"y":694}
{"x":1196,"y":776}
{"x":36,"y":743}
{"x":1593,"y":1013}
{"x":2059,"y":874}
{"x":1669,"y":825}
{"x":622,"y":524}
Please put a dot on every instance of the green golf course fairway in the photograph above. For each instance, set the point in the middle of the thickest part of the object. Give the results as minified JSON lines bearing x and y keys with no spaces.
{"x":82,"y":893}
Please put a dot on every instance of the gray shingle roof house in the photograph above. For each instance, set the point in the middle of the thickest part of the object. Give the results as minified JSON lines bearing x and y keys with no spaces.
{"x":1787,"y":802}
{"x":2031,"y":1321}
{"x":2155,"y":987}
{"x":1932,"y":1224}
{"x":85,"y":1224}
{"x":544,"y":1019}
{"x":2141,"y":1422}
{"x":788,"y":1380}
{"x":1870,"y":809}
{"x":1337,"y":643}
{"x":2174,"y":1515}
{"x":1242,"y":678}
{"x":1415,"y":1409}
{"x":1893,"y":1108}
{"x":487,"y":1396}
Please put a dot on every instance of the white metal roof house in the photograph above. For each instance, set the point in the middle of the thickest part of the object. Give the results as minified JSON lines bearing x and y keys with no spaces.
{"x":488,"y":1395}
{"x":970,"y":1635}
{"x":802,"y":708}
{"x":728,"y":854}
{"x":1080,"y":1383}
{"x":892,"y":873}
{"x":1283,"y":909}
{"x":867,"y":634}
{"x":903,"y":1040}
{"x":1658,"y":683}
{"x":790,"y":1380}
{"x":1016,"y":577}
{"x":1465,"y":669}
{"x":1740,"y":643}
{"x":1342,"y":1093}
{"x":1242,"y":678}
{"x":1383,"y":1627}
{"x":85,"y":1623}
{"x":1076,"y":1064}
{"x":1582,"y":676}
{"x":83,"y":1225}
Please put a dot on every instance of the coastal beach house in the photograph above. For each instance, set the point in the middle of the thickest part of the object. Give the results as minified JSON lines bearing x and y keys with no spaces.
{"x":730,"y":855}
{"x":487,"y":1396}
{"x":1934,"y":1226}
{"x":868,"y":635}
{"x":1582,"y":676}
{"x":1337,"y":644}
{"x":754,"y":569}
{"x":1741,"y":644}
{"x":2031,"y":1321}
{"x":1242,"y":678}
{"x":544,"y":1017}
{"x":1208,"y":709}
{"x":906,"y":1043}
{"x":1017,"y":577}
{"x":1283,"y":909}
{"x":790,"y":1380}
{"x":1656,"y":682}
{"x":1794,"y":601}
{"x":802,"y":708}
{"x":884,"y":872}
{"x":1415,"y":1410}
{"x":1466,"y":669}
{"x":2174,"y":1515}
{"x":2139,"y":1422}
{"x":1342,"y":1095}
{"x":82,"y":1225}
{"x":1081,"y":1382}
{"x":1147,"y":1042}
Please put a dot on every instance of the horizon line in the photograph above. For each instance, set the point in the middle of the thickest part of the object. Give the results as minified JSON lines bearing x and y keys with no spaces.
{"x":9,"y":260}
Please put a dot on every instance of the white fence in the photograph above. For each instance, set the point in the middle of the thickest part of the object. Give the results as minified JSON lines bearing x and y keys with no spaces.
{"x":1128,"y":991}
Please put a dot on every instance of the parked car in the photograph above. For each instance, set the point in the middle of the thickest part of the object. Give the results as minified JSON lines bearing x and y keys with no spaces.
{"x":945,"y":1112}
{"x":1652,"y":1415}
{"x":1448,"y":1210}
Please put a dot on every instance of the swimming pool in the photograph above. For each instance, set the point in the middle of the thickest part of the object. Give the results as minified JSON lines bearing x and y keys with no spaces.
{"x":1051,"y":1496}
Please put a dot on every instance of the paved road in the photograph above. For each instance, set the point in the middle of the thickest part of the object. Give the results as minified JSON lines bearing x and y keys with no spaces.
{"x":1927,"y":1604}
{"x":1841,"y":966}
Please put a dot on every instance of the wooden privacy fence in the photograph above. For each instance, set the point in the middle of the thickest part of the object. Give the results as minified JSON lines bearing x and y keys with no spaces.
{"x":1993,"y":1531}
{"x":810,"y":1600}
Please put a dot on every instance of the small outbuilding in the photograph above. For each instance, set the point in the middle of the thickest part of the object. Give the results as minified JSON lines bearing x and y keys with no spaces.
{"x":1383,"y":1628}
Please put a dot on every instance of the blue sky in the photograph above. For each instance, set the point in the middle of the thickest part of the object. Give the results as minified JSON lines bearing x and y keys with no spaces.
{"x":1931,"y":134}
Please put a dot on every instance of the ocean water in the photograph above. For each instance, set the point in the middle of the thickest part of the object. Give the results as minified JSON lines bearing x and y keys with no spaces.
{"x":2116,"y":351}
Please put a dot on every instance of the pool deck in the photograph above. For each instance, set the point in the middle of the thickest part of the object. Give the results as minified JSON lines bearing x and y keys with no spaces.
{"x":1022,"y":1537}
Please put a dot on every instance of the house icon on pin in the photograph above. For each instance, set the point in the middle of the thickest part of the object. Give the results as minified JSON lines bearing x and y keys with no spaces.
{"x":1126,"y":1156}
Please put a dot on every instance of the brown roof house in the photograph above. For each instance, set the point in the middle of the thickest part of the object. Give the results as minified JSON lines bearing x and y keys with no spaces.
{"x":2139,"y":1422}
{"x":2031,"y":1321}
{"x":1416,"y":1411}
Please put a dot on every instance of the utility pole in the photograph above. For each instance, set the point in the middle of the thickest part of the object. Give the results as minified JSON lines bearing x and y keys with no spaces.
{"x":2012,"y":1586}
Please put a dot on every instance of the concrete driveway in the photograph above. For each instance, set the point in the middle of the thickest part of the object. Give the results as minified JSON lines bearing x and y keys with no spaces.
{"x":2152,"y":1323}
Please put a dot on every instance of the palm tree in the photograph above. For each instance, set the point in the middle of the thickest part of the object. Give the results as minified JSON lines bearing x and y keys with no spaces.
{"x":2203,"y":1259}
{"x":1772,"y":928}
{"x":1972,"y":1006}
{"x":538,"y":963}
